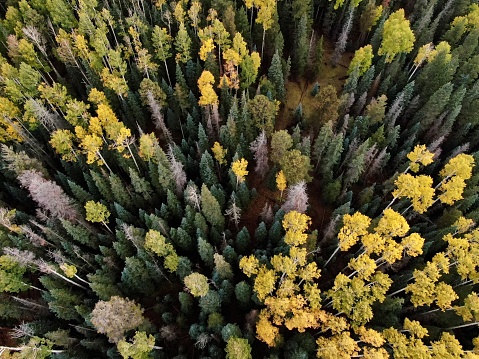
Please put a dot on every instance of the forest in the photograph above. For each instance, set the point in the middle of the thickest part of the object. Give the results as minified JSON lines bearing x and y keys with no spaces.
{"x":225,"y":179}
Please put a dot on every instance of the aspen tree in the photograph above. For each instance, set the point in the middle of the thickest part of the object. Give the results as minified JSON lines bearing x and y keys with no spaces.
{"x":162,"y":43}
{"x":362,"y":60}
{"x":239,"y":169}
{"x":281,"y":183}
{"x":397,"y":36}
{"x":182,"y":45}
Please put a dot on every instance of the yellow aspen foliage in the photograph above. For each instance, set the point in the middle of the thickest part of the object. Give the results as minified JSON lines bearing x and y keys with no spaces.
{"x":256,"y":60}
{"x":310,"y":272}
{"x":114,"y":82}
{"x":373,"y":243}
{"x":464,"y":251}
{"x":239,"y":169}
{"x":417,"y":188}
{"x":424,"y":290}
{"x":473,"y":15}
{"x":232,"y":56}
{"x":295,"y":224}
{"x":95,"y":127}
{"x":334,"y":323}
{"x":123,"y":139}
{"x":452,"y":190}
{"x":179,"y":12}
{"x":157,"y":243}
{"x":392,"y":251}
{"x":207,"y":46}
{"x":419,"y":155}
{"x":441,"y":262}
{"x":91,"y":145}
{"x":222,"y":267}
{"x":460,"y":166}
{"x":392,"y":224}
{"x":397,"y":36}
{"x":96,"y":212}
{"x":249,"y":265}
{"x":109,"y":121}
{"x":470,"y":310}
{"x":240,"y":46}
{"x":266,"y":331}
{"x":354,"y":226}
{"x":148,"y":147}
{"x":364,"y":265}
{"x":9,"y":127}
{"x":413,"y":244}
{"x":62,"y":142}
{"x":447,"y":347}
{"x":455,"y":172}
{"x":313,"y":294}
{"x":281,"y":181}
{"x":375,"y":353}
{"x":265,"y":282}
{"x":298,"y":255}
{"x":284,"y":264}
{"x":205,"y":85}
{"x":97,"y":97}
{"x":69,"y":270}
{"x":197,"y":284}
{"x":370,"y":336}
{"x":423,"y":54}
{"x":219,"y":152}
{"x":301,"y":319}
{"x":362,"y":60}
{"x":463,"y":224}
{"x":444,"y":47}
{"x":287,"y":288}
{"x":445,"y":295}
{"x":339,"y":346}
{"x":404,"y":347}
{"x":415,"y":328}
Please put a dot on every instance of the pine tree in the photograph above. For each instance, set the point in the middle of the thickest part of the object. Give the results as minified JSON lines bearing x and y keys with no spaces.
{"x":275,"y":74}
{"x":301,"y":46}
{"x":211,"y":208}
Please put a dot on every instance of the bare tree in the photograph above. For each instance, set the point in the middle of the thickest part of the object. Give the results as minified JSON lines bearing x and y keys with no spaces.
{"x":297,"y":198}
{"x":267,"y":214}
{"x":259,"y":147}
{"x":233,"y":211}
{"x":49,"y":120}
{"x":193,"y":196}
{"x":155,"y":109}
{"x":116,"y":316}
{"x":343,"y":38}
{"x":48,"y":195}
{"x":177,"y":170}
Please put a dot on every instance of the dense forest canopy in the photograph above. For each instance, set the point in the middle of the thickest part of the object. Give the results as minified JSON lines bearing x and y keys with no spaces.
{"x":226,"y":179}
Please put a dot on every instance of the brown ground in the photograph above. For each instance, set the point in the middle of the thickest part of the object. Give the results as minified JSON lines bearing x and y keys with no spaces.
{"x":296,"y":92}
{"x":299,"y":91}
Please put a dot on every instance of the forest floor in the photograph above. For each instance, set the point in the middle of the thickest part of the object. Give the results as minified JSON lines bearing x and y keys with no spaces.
{"x":298,"y":91}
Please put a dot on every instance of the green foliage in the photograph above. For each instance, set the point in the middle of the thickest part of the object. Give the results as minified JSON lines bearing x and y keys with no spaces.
{"x":86,"y":99}
{"x":238,"y":348}
{"x":139,"y":348}
{"x":11,"y":275}
{"x":263,"y":112}
{"x":211,"y":208}
{"x":296,"y":167}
